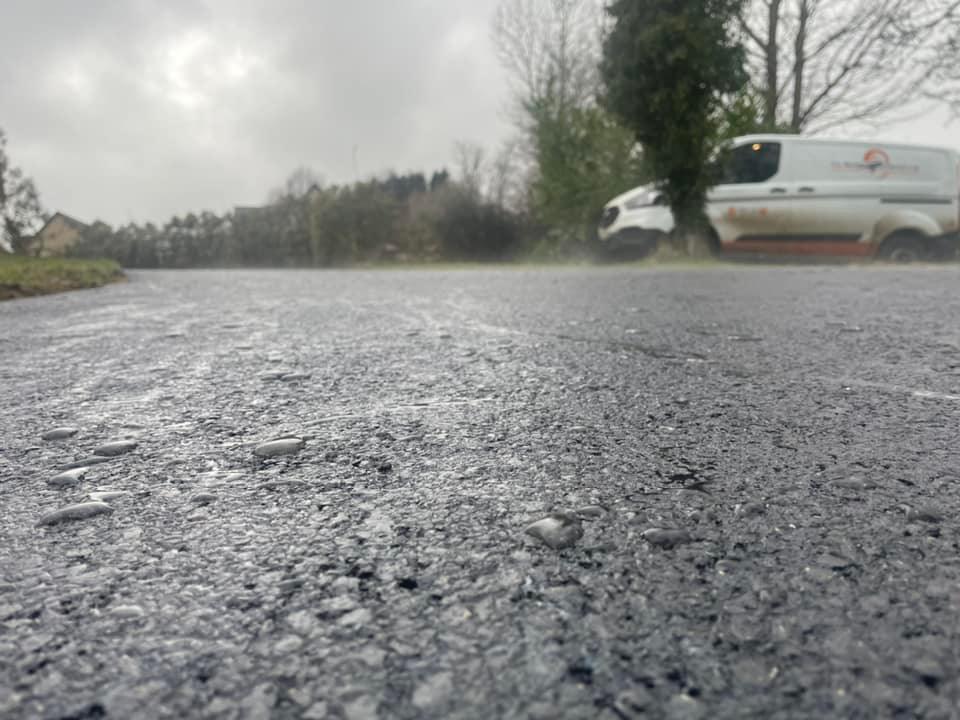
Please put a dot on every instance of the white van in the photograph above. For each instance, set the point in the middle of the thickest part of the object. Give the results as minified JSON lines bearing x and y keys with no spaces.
{"x":793,"y":195}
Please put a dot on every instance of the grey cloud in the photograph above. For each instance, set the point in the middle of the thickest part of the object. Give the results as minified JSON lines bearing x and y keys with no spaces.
{"x":139,"y":110}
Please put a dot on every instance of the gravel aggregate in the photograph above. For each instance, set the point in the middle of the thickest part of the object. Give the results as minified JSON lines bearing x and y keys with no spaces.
{"x":320,"y":486}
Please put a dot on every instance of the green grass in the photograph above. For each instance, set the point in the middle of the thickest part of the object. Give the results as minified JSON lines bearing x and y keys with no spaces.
{"x":24,"y":276}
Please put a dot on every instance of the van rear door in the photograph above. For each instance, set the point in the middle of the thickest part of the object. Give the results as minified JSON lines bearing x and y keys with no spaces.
{"x":834,"y":209}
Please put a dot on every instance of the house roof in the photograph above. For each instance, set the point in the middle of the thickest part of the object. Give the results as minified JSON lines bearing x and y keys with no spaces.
{"x":72,"y":222}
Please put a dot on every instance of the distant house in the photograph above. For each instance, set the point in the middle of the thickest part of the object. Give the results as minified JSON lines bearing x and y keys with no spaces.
{"x":60,"y":233}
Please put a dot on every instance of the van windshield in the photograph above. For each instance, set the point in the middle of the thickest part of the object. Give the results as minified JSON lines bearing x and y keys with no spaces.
{"x":750,"y":163}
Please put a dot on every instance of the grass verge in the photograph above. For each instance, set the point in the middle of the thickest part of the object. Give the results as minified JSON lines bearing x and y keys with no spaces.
{"x":26,"y":276}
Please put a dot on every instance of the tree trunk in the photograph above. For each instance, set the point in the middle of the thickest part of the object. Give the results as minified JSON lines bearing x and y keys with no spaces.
{"x":799,"y":54}
{"x":691,"y":234}
{"x":772,"y":51}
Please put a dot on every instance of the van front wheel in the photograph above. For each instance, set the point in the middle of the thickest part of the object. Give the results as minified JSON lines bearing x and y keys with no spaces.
{"x":904,"y":247}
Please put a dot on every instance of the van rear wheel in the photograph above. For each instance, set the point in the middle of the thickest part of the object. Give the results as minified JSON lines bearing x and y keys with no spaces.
{"x":904,"y":247}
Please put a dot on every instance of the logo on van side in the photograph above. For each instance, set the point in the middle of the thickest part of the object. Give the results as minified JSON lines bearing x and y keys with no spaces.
{"x":876,"y":162}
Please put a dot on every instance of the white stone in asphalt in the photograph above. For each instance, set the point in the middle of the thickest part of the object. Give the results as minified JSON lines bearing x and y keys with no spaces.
{"x":68,"y":478}
{"x":284,"y":446}
{"x":81,"y":511}
{"x":558,"y":530}
{"x":117,"y":447}
{"x":61,"y":433}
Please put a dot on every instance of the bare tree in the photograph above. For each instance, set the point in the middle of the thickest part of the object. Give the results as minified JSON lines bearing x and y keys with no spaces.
{"x":300,"y":182}
{"x":504,"y":177}
{"x":20,"y":209}
{"x":470,"y":167}
{"x":497,"y":178}
{"x":817,"y":64}
{"x":570,"y":155}
{"x":550,"y":50}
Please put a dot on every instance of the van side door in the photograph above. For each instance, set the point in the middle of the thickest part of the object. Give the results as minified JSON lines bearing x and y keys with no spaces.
{"x":749,"y":207}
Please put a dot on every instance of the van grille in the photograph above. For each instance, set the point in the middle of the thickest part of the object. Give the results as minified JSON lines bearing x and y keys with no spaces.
{"x":609,"y":216}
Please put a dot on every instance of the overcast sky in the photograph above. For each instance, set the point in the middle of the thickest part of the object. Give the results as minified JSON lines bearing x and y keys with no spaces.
{"x":140,"y":109}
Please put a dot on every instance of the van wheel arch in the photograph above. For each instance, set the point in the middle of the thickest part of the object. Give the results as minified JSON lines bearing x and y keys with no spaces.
{"x":905,"y":246}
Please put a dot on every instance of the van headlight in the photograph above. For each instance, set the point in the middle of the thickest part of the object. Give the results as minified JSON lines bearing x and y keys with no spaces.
{"x":609,"y":217}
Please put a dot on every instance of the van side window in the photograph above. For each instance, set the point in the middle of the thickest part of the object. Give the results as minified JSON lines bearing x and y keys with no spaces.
{"x":753,"y":163}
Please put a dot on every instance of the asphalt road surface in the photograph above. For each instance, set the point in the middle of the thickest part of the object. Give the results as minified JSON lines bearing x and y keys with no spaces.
{"x":755,"y":474}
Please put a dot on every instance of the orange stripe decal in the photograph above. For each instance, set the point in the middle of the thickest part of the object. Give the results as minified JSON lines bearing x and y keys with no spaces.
{"x":780,"y":247}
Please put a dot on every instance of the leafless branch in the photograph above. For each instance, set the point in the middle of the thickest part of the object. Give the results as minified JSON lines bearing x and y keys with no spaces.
{"x":854,"y":61}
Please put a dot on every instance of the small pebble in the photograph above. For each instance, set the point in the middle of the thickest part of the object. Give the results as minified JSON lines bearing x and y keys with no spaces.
{"x":303,"y":622}
{"x":924,"y":514}
{"x":832,"y":561}
{"x":203,"y":498}
{"x":666,"y":538}
{"x":285,"y":446}
{"x":68,"y":478}
{"x":750,"y":510}
{"x":432,"y":692}
{"x":317,"y":711}
{"x":61,"y":433}
{"x":930,"y":670}
{"x":295,"y":376}
{"x":360,"y":616}
{"x":127,"y":611}
{"x":289,"y":644}
{"x":590,"y":511}
{"x":75,"y":512}
{"x":684,"y":707}
{"x":744,"y":338}
{"x":558,"y":530}
{"x":118,"y":447}
{"x":290,"y":584}
{"x":854,"y":483}
{"x":105,"y":496}
{"x":632,"y":704}
{"x":85,"y":462}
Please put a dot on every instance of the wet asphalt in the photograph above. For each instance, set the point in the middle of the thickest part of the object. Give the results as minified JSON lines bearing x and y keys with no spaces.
{"x":308,"y":495}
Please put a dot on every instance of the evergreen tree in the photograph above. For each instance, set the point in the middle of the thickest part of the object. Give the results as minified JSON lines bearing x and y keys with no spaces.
{"x":668,"y":66}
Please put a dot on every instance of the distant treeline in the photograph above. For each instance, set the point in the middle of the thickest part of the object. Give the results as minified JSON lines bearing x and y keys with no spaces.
{"x":402,"y":218}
